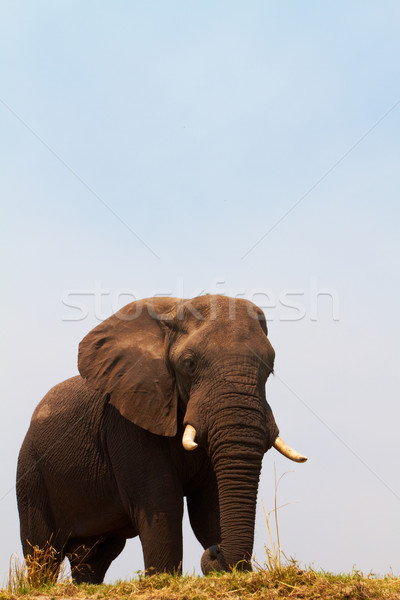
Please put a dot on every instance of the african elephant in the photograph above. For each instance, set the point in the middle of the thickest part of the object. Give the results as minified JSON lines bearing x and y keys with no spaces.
{"x":170,"y":402}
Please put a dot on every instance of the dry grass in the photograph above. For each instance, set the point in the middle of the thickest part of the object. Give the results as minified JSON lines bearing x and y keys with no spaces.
{"x":289,"y":582}
{"x":35,"y":572}
{"x":276,"y":558}
{"x":36,"y":578}
{"x":40,"y":570}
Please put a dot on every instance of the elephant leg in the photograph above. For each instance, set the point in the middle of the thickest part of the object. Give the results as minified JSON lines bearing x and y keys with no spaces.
{"x":203,"y":509}
{"x":161,"y":537}
{"x":40,"y":544}
{"x":89,"y":562}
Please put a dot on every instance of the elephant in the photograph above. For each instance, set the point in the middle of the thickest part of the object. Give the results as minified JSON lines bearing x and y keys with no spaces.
{"x":170,"y":403}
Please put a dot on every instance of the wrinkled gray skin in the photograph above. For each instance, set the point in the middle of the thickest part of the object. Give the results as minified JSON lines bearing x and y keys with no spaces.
{"x":103,"y":459}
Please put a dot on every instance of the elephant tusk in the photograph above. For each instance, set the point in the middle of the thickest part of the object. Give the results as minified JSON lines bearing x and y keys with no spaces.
{"x":188,"y":438}
{"x":287,"y":451}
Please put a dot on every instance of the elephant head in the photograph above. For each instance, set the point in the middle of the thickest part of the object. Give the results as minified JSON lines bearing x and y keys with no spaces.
{"x":205,"y":361}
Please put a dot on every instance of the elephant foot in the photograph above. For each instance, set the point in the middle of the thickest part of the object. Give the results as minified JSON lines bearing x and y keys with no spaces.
{"x":213,"y":560}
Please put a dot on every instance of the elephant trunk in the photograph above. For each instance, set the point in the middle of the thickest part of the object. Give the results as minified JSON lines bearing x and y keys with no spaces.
{"x":237,"y":488}
{"x":236,"y":447}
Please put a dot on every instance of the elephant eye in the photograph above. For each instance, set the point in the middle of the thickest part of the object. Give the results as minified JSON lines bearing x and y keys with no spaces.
{"x":189,"y":365}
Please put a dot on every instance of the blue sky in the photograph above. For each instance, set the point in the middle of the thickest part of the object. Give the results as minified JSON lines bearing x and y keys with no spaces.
{"x":195,"y":127}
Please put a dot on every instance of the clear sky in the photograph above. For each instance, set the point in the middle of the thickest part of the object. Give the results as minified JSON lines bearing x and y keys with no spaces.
{"x":252,"y":148}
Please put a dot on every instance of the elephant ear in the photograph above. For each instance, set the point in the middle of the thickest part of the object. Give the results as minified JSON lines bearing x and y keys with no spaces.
{"x":125,"y":356}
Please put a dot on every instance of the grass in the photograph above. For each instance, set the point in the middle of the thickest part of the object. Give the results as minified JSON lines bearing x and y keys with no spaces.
{"x":35,"y":572}
{"x":275,"y":555}
{"x":289,"y":582}
{"x":39,"y":571}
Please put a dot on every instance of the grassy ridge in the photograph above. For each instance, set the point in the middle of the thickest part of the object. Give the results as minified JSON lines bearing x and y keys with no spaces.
{"x":287,"y":582}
